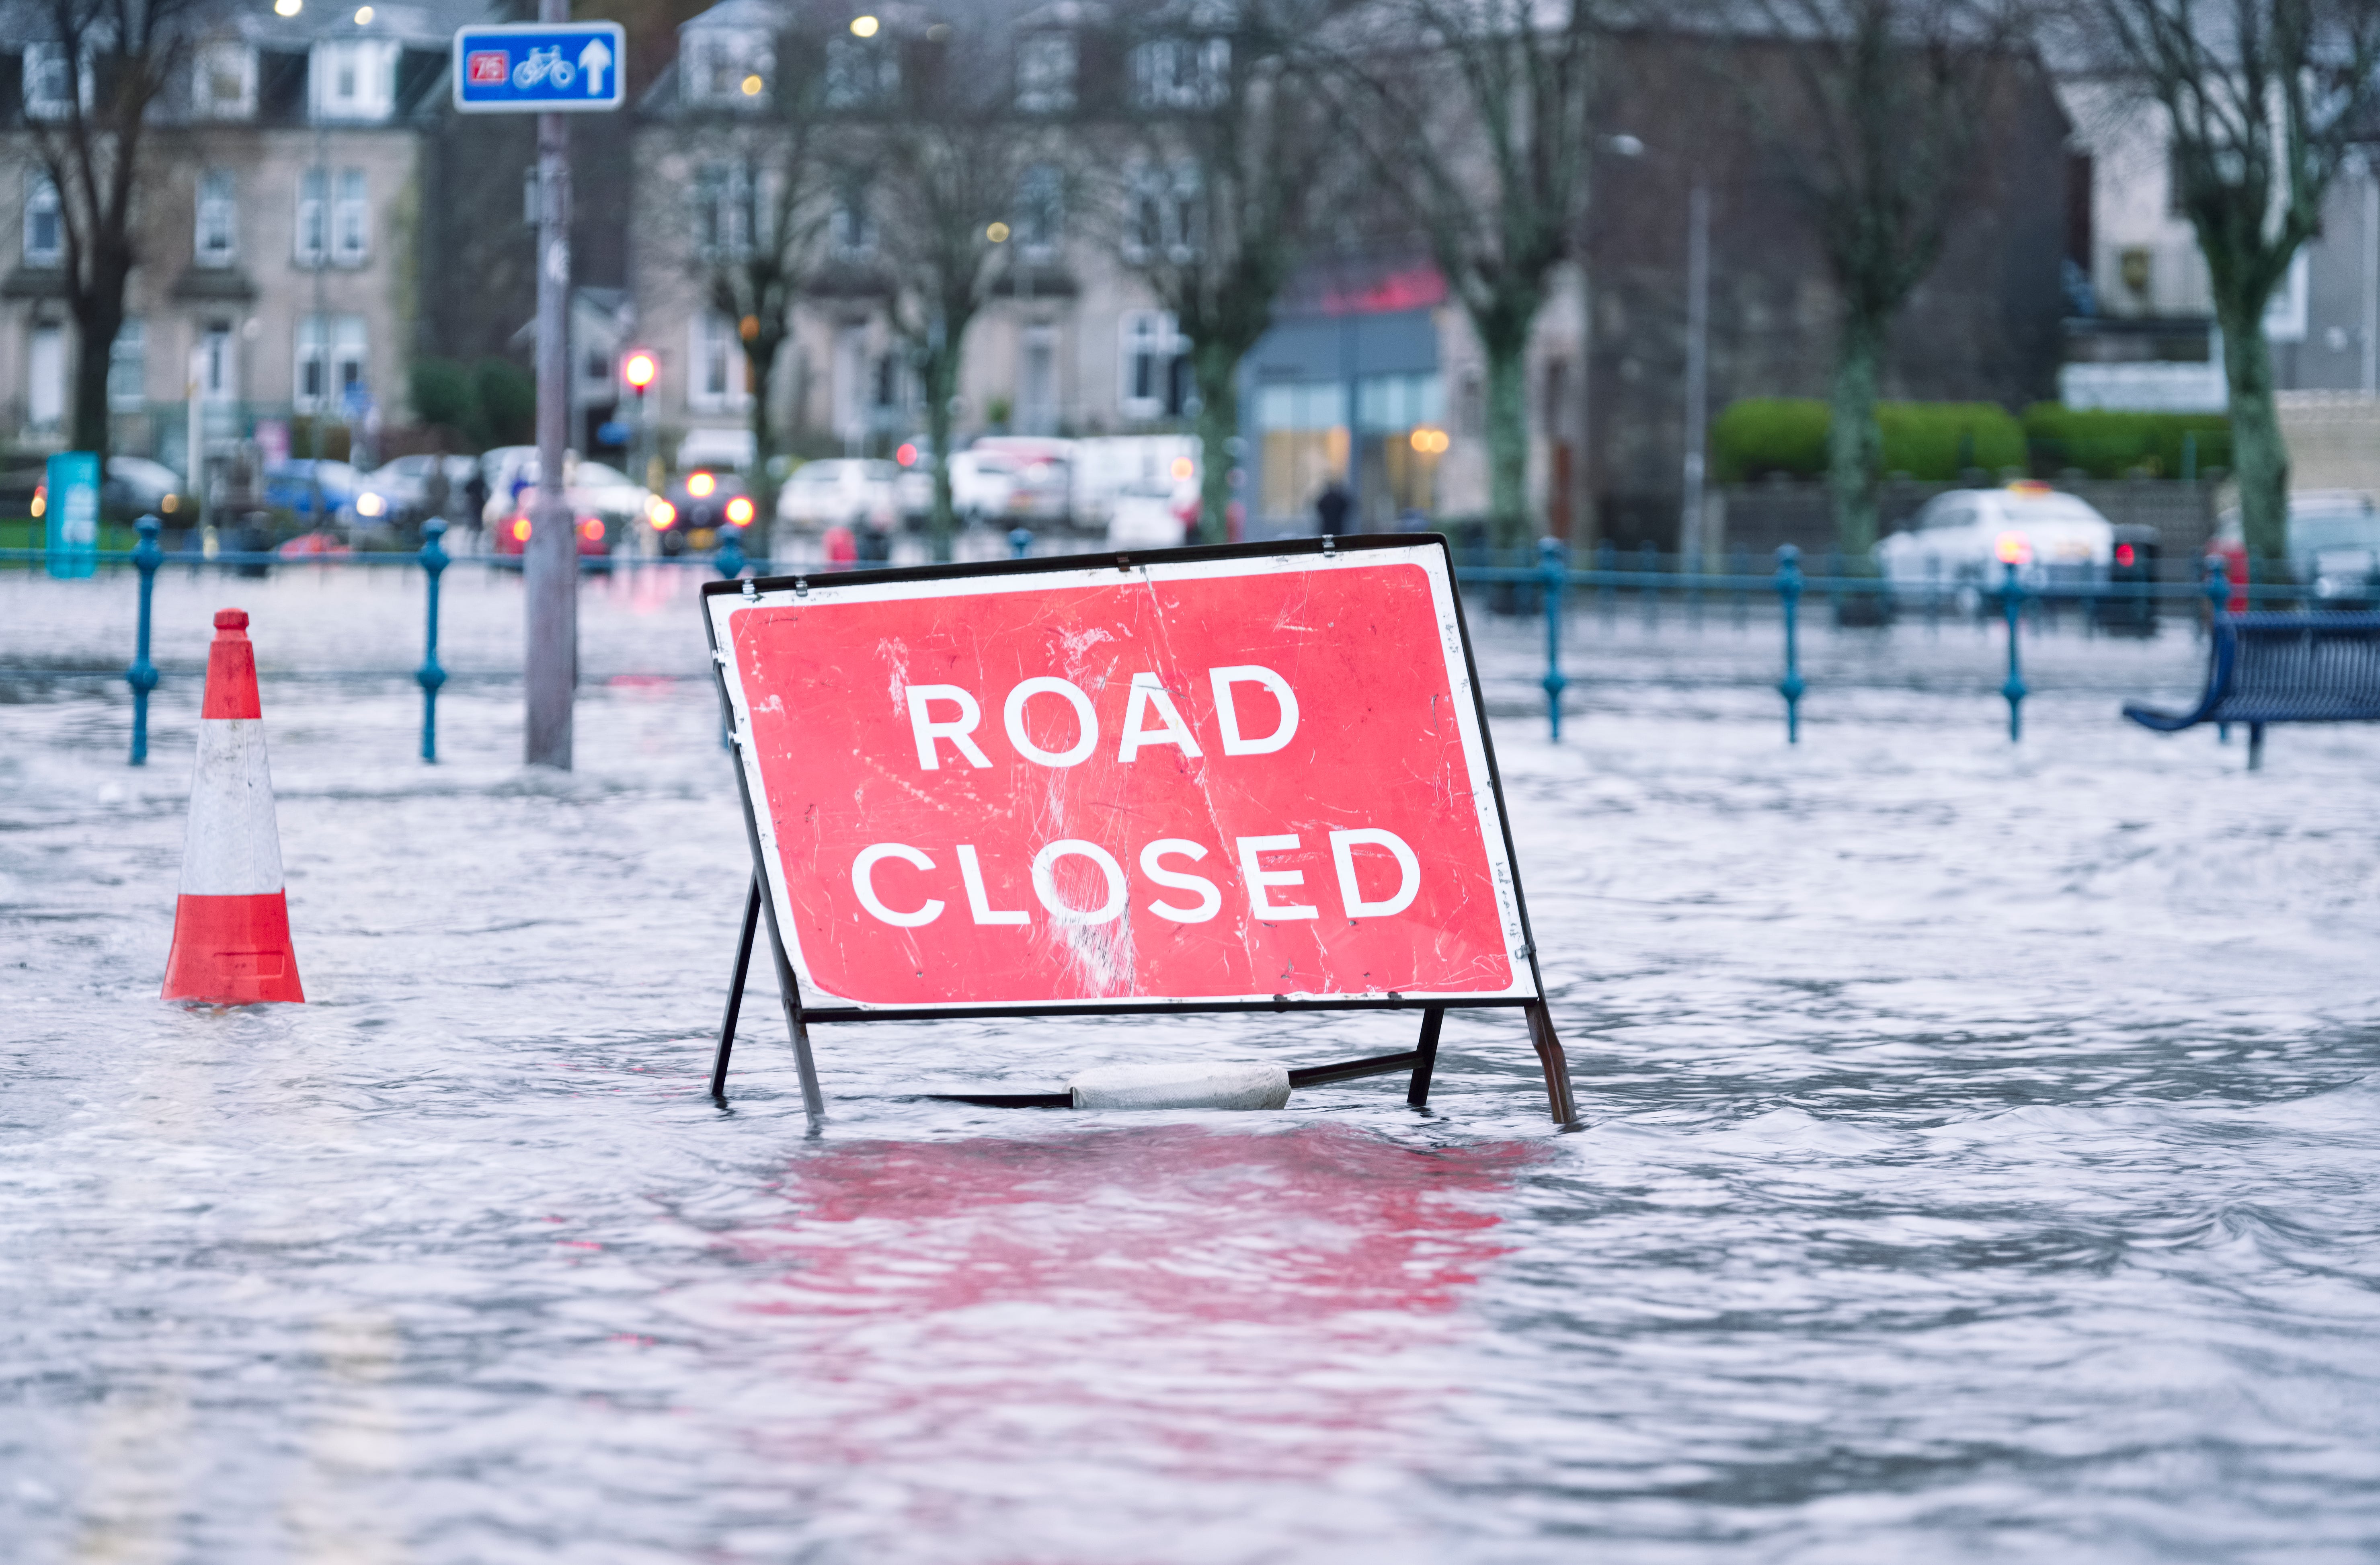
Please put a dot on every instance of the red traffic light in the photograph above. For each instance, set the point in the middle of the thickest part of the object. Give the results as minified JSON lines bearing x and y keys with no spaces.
{"x":907,"y":456}
{"x":638,"y":369}
{"x":2124,"y":555}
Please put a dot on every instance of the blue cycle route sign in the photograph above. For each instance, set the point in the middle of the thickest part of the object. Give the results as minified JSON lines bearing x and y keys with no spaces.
{"x":539,"y":68}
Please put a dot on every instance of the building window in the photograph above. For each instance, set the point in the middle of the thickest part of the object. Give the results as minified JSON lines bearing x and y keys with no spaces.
{"x":723,"y":195}
{"x":852,"y":229}
{"x":1045,"y":73}
{"x":598,"y":368}
{"x":128,"y":369}
{"x":860,"y":74}
{"x":1181,"y":73}
{"x":1164,"y":215}
{"x":218,"y":225}
{"x":353,"y":79}
{"x":719,"y":62}
{"x":215,"y":362}
{"x":223,"y":81}
{"x":1040,"y":209}
{"x":312,"y":198}
{"x":719,"y":370}
{"x":44,"y":229}
{"x":46,"y":375}
{"x":1302,"y":431}
{"x":49,"y":81}
{"x":332,"y":366}
{"x":1154,"y":366}
{"x":351,"y":222}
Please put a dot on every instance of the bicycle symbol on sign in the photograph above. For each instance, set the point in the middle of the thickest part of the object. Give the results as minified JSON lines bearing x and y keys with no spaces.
{"x":543,"y":64}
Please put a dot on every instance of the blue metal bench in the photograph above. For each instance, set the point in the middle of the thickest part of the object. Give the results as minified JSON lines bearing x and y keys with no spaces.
{"x":2283,"y":668}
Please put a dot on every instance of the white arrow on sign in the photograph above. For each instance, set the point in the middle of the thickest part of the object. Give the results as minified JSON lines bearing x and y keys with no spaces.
{"x":594,"y":60}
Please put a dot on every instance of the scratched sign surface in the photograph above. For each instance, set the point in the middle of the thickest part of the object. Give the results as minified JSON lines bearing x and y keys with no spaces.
{"x":1194,"y":781}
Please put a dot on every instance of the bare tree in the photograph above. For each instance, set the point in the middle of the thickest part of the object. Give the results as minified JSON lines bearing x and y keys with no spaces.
{"x":91,"y":90}
{"x":1879,"y":137}
{"x":2262,"y":99}
{"x":942,"y":164}
{"x":1474,"y":114}
{"x":1221,"y":196}
{"x":757,"y":208}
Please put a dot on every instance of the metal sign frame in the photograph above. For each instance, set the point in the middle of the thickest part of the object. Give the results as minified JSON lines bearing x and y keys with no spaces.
{"x":478,"y":38}
{"x":1419,"y":1060}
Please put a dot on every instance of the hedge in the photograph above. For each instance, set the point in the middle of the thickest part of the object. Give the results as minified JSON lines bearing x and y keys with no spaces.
{"x":1925,"y":439}
{"x":2109,"y":446}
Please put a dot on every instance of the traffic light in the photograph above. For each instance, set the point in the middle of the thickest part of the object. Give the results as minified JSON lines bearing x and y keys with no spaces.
{"x":638,"y":369}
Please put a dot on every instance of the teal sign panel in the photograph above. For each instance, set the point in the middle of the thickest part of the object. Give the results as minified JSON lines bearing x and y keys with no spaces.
{"x":72,"y":510}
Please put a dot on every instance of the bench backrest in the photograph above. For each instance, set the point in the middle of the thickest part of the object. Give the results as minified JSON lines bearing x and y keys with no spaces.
{"x":2302,"y":668}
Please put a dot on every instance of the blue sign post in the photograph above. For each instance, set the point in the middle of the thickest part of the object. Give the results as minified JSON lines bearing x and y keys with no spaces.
{"x":71,"y":509}
{"x":540,"y":68}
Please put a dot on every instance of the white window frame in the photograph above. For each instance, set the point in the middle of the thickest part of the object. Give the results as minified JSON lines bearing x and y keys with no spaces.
{"x":368,"y":66}
{"x":1162,"y":219}
{"x":216,"y":63}
{"x":1046,"y":67}
{"x":216,"y":215}
{"x":851,"y":229}
{"x":861,"y":73}
{"x":49,"y":77}
{"x":41,"y":199}
{"x":1181,"y":73}
{"x":350,"y":358}
{"x":717,"y":376}
{"x":351,"y":218}
{"x":1145,"y":336}
{"x":1041,"y":195}
{"x":725,"y":207}
{"x":128,"y":366}
{"x":218,"y":365}
{"x":717,"y":61}
{"x":309,"y":240}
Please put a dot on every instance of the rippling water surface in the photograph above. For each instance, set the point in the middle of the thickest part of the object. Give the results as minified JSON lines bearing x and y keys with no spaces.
{"x":1982,"y":1165}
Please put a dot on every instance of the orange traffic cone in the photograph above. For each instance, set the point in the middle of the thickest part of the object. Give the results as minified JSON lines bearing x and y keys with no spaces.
{"x":231,"y":922}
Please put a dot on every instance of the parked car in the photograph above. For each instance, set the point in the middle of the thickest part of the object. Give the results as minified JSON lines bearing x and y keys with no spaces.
{"x":1149,"y":514}
{"x":291,"y":486}
{"x":404,"y":483}
{"x":595,"y":535}
{"x":136,"y":487}
{"x":852,"y":491}
{"x":1962,"y":543}
{"x":1043,"y":474}
{"x":696,"y":506}
{"x":2334,"y":548}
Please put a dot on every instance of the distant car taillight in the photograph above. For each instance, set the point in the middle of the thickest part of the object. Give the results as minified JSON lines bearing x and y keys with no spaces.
{"x":2124,"y":555}
{"x":739,"y":510}
{"x":591,"y":529}
{"x":520,"y":529}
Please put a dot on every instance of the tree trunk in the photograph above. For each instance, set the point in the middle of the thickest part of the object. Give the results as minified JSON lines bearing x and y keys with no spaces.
{"x":96,"y":323}
{"x":939,"y":368}
{"x":760,"y":370}
{"x":1509,"y":520}
{"x":1217,"y":372}
{"x":2260,"y":462}
{"x":1854,"y":443}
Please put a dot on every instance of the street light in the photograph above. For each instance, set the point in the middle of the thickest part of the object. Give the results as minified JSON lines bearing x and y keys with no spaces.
{"x":863,"y":27}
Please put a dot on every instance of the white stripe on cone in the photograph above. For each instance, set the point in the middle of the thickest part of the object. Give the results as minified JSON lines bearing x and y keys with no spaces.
{"x":235,"y":844}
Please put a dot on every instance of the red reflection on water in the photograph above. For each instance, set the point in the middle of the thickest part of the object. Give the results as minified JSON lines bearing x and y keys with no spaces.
{"x":1211,"y":1307}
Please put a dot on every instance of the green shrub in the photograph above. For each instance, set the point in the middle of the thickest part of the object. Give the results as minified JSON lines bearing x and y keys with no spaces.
{"x":441,"y":392}
{"x":1925,"y":439}
{"x":506,"y":398}
{"x":2109,"y":446}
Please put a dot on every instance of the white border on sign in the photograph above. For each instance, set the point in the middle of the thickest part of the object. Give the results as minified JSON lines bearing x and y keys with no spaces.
{"x":722,"y":607}
{"x":614,"y":100}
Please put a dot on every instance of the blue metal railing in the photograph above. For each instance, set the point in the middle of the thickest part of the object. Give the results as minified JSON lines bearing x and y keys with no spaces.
{"x":1542,"y":585}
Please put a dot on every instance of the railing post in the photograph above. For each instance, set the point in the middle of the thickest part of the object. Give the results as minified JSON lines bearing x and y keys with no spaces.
{"x":2012,"y":605}
{"x":1738,"y":565}
{"x":730,"y":558}
{"x":1648,"y":566}
{"x":142,"y":675}
{"x":433,"y":561}
{"x":1554,"y":571}
{"x":1789,"y":593}
{"x":1606,"y":561}
{"x":1020,"y":542}
{"x":2218,"y":604}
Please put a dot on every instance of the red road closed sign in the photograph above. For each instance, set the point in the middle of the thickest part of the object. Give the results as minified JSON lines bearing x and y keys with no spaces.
{"x":1194,"y":781}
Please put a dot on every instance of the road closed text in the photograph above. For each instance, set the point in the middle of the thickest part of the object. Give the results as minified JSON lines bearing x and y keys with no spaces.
{"x":1090,"y":785}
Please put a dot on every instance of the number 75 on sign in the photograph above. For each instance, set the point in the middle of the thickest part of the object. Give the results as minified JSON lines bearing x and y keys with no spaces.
{"x":539,"y":68}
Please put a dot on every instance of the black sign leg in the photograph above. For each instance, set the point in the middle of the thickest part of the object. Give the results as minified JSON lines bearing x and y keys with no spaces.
{"x":1417,"y":1095}
{"x":1550,"y":1054}
{"x":736,"y":992}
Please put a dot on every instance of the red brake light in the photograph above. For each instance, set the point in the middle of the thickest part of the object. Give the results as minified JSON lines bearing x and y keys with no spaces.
{"x":591,"y":529}
{"x":739,"y":510}
{"x":2124,"y":554}
{"x":520,"y":529}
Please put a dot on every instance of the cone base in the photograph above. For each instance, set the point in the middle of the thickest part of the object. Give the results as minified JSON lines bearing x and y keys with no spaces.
{"x":233,"y":951}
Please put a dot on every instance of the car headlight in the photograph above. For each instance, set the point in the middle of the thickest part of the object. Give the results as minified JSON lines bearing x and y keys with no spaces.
{"x":370,"y":505}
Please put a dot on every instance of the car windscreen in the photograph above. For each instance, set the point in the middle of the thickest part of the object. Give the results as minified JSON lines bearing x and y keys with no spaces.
{"x":2309,"y":531}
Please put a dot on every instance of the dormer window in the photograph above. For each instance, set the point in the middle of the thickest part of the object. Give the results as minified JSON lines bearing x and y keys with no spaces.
{"x":1045,"y":73}
{"x":860,"y":73}
{"x":223,"y":81}
{"x":720,"y":63}
{"x":354,"y":78}
{"x":49,"y":81}
{"x":1181,"y":73}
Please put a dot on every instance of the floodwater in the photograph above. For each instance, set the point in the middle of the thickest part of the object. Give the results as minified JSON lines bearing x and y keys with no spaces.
{"x":1983,"y":1155}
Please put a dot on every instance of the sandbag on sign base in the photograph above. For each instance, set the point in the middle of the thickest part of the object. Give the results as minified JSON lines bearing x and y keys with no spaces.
{"x":1180,"y":1087}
